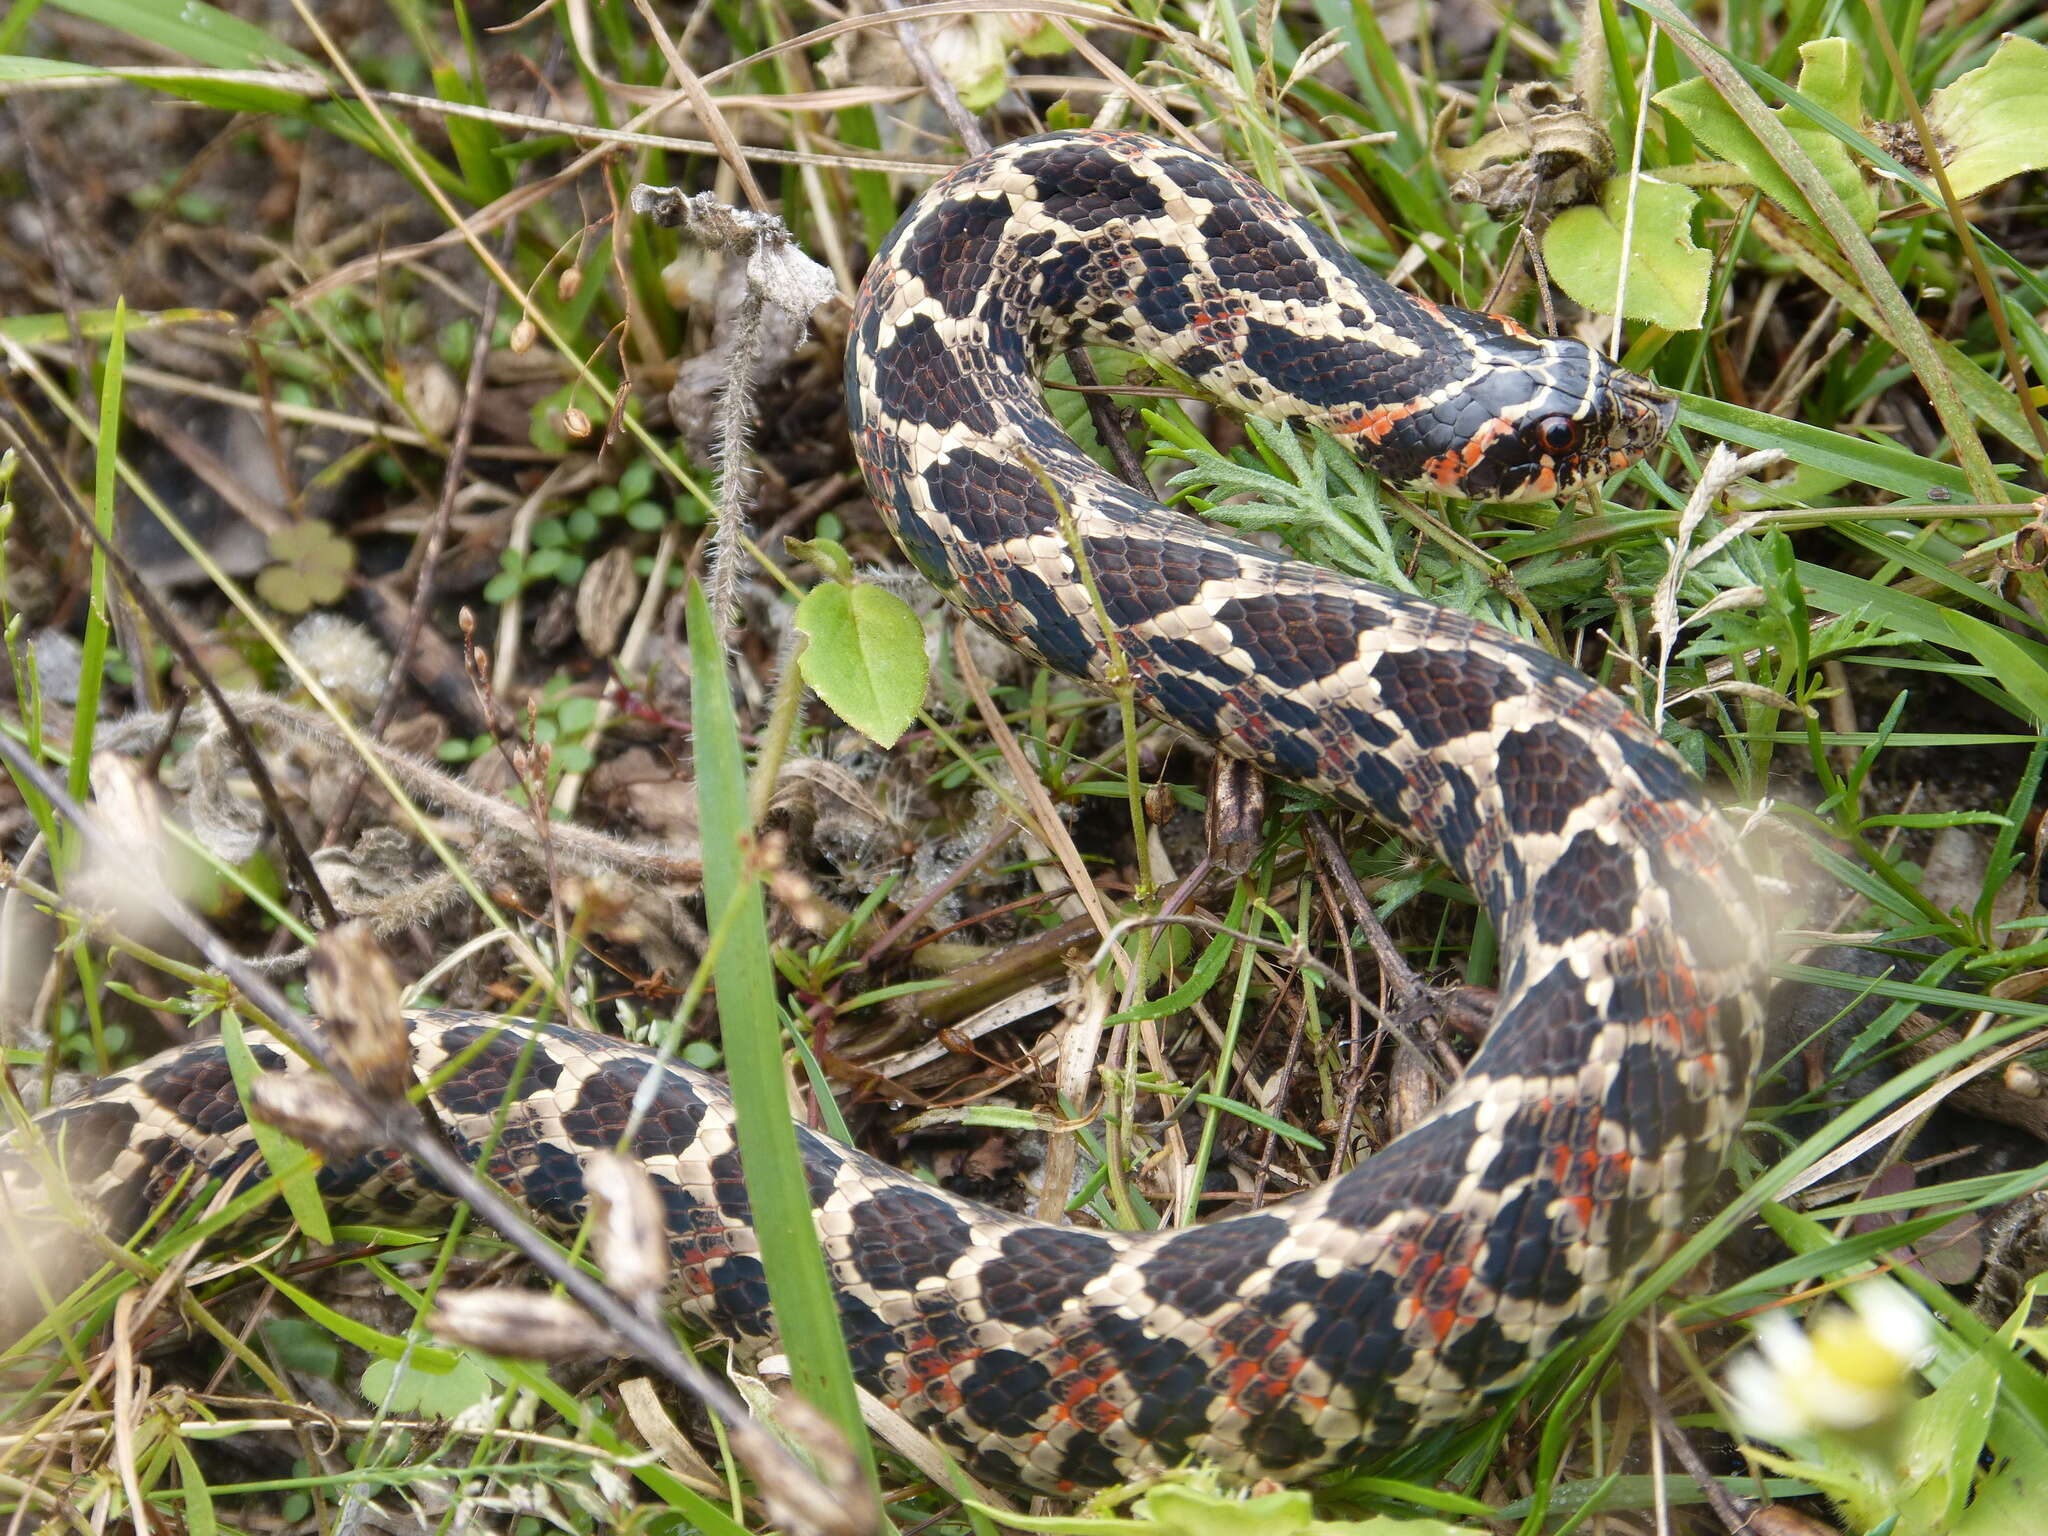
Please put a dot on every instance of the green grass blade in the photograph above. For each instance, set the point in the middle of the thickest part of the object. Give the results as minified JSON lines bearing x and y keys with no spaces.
{"x":1880,"y":464}
{"x":806,"y":1315}
{"x":92,"y":664}
{"x":53,"y":327}
{"x":193,"y":30}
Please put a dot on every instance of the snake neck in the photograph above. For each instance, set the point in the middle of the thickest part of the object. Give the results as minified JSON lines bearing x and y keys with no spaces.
{"x":1117,"y":239}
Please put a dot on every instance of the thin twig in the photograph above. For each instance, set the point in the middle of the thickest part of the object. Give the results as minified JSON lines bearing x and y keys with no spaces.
{"x":416,"y":778}
{"x":1393,"y":966}
{"x":935,"y":82}
{"x":715,"y":126}
{"x":1733,"y":1513}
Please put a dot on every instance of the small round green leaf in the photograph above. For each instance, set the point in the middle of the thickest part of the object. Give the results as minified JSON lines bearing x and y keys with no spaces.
{"x":866,"y":657}
{"x":578,"y":713}
{"x":428,"y":1394}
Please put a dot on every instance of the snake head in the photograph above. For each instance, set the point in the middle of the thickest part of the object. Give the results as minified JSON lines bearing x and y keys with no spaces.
{"x":1539,"y":416}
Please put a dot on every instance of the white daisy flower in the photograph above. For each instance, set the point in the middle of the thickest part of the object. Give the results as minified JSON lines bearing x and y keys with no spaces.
{"x":1849,"y":1370}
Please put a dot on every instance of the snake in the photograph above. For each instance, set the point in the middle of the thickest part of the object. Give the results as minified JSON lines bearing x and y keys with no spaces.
{"x":1438,"y":1272}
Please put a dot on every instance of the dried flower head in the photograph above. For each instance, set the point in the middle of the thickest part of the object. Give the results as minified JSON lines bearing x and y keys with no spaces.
{"x":135,"y":868}
{"x":343,"y":657}
{"x":529,"y":1324}
{"x":631,"y":1230}
{"x":315,"y":1111}
{"x":355,"y":992}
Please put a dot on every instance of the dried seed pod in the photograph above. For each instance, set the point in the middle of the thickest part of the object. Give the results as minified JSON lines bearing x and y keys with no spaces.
{"x":1236,"y":815}
{"x":126,"y":800}
{"x":126,"y":874}
{"x":839,"y":1502}
{"x":530,"y":1324}
{"x":355,"y":991}
{"x":315,"y":1111}
{"x":605,"y":600}
{"x":1160,"y":806}
{"x":630,"y":1228}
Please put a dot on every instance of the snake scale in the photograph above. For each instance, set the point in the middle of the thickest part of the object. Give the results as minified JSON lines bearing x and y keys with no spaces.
{"x":1552,"y":1174}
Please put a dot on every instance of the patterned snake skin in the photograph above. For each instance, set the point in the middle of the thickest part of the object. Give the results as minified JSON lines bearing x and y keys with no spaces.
{"x":1551,"y":1175}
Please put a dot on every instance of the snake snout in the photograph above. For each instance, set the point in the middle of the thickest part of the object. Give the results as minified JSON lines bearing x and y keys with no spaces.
{"x":1645,"y":412}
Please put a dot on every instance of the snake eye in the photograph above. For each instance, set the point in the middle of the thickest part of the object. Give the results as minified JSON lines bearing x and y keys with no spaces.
{"x":1557,"y":435}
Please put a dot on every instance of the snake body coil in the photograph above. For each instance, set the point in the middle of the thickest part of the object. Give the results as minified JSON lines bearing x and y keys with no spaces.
{"x":1551,"y":1174}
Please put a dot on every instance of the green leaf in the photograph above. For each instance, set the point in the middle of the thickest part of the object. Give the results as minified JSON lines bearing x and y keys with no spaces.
{"x":2020,"y":667}
{"x":2008,"y":1498}
{"x":305,"y":1346}
{"x":15,"y":66}
{"x":192,"y":30}
{"x":1261,"y":1119}
{"x":93,"y":657}
{"x":1201,"y":979}
{"x":1943,"y":1441}
{"x":199,"y":1516}
{"x":477,"y":144}
{"x":385,"y":1346}
{"x":866,"y":657}
{"x":827,"y":556}
{"x":1831,"y":76}
{"x":1992,"y":123}
{"x":1188,"y":1511}
{"x":409,"y":1391}
{"x":295,"y":1167}
{"x":1667,"y":273}
{"x":1884,"y":465}
{"x":578,"y":713}
{"x":1195,"y":1507}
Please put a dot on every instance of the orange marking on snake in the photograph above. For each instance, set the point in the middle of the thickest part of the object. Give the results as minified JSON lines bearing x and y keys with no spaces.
{"x":1375,"y":423}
